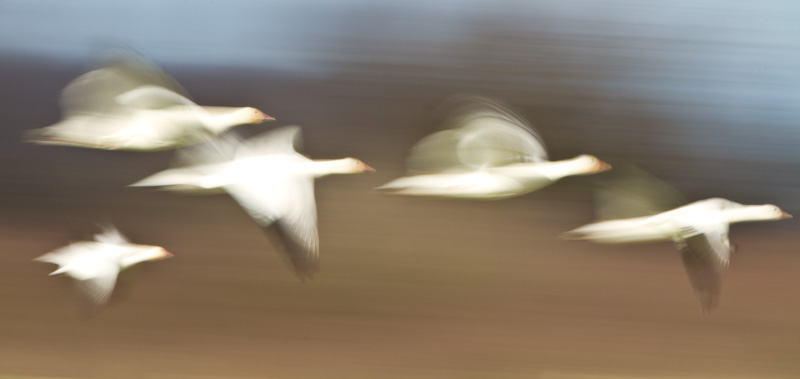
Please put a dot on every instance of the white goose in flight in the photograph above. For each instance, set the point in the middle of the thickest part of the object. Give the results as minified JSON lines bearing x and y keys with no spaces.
{"x":95,"y":264}
{"x":269,"y":179}
{"x":130,"y":104}
{"x":699,"y":230}
{"x":485,"y":152}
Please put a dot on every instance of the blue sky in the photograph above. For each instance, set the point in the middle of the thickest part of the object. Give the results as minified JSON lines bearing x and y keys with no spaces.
{"x":714,"y":61}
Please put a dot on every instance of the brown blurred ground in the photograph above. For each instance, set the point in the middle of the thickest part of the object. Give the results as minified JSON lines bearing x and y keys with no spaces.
{"x":408,"y":288}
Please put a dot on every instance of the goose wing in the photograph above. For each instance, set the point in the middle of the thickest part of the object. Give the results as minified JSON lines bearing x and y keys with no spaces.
{"x":155,"y":97}
{"x":111,"y":235}
{"x":93,"y":267}
{"x":99,"y":288}
{"x":705,"y":256}
{"x":479,"y":133}
{"x":282,"y":140}
{"x":98,"y":91}
{"x":231,"y":146}
{"x":631,"y":191}
{"x":286,"y":209}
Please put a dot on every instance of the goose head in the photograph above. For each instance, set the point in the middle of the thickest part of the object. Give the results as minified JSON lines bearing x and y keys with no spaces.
{"x":766,"y":212}
{"x":769,"y":212}
{"x":354,"y":166}
{"x":218,"y":124}
{"x":589,"y":164}
{"x":141,"y":253}
{"x":340,"y":166}
{"x":250,"y":115}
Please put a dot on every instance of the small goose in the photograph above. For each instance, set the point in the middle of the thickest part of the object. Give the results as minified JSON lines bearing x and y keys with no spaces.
{"x":699,"y":230}
{"x":129,"y":104}
{"x":95,"y":264}
{"x":485,"y":152}
{"x":269,"y":179}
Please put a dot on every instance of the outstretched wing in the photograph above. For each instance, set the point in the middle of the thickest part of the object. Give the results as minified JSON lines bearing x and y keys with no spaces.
{"x":215,"y":151}
{"x":631,"y":191}
{"x":705,"y":256}
{"x":285,"y":207}
{"x":282,"y":140}
{"x":231,"y":146}
{"x":98,"y":290}
{"x":93,"y":269}
{"x":97,"y":91}
{"x":479,"y":133}
{"x":111,"y":235}
{"x":155,"y":97}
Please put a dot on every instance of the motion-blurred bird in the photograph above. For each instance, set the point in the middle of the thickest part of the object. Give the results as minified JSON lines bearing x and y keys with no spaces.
{"x":485,"y":152}
{"x":699,"y":230}
{"x":95,"y":264}
{"x":130,"y":104}
{"x":269,"y":179}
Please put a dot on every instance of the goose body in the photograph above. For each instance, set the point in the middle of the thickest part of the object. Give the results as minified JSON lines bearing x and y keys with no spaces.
{"x":271,"y":181}
{"x":492,"y":183}
{"x":486,"y":152}
{"x":129,"y":104}
{"x":95,"y":264}
{"x":699,"y":230}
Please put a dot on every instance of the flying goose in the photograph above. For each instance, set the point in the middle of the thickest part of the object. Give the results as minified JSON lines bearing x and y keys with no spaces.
{"x":699,"y":231}
{"x":95,"y":264}
{"x":269,"y":179}
{"x":130,"y":104}
{"x":484,"y":152}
